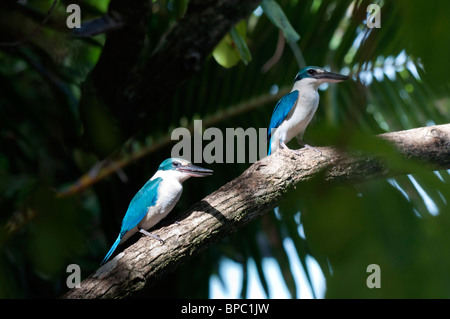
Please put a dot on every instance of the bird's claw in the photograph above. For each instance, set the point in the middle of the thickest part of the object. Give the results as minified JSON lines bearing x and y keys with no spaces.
{"x":161,"y":241}
{"x":309,"y":147}
{"x":146,"y":233}
{"x":284,"y":146}
{"x":314,"y":149}
{"x":295,"y":152}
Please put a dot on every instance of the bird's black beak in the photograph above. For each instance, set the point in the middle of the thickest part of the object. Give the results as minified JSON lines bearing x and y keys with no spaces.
{"x":331,"y":77}
{"x":195,"y":171}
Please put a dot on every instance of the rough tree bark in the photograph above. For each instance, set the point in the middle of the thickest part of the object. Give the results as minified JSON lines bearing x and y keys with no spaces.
{"x":255,"y":192}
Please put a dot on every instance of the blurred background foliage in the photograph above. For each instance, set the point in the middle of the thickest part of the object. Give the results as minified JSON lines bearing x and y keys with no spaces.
{"x":399,"y":82}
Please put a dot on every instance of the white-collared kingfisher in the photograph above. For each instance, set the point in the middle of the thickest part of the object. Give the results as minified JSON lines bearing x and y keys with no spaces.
{"x":156,"y":199}
{"x":295,"y":110}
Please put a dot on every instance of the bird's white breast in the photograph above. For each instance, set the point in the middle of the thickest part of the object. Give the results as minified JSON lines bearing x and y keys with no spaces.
{"x":169,"y":192}
{"x":301,"y":114}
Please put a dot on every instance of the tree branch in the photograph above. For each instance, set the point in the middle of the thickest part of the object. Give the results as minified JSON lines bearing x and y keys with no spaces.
{"x":255,"y":192}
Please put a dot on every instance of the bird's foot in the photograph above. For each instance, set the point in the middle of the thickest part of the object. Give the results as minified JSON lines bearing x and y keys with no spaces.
{"x":309,"y":147}
{"x":146,"y":233}
{"x":284,"y":146}
{"x":313,"y":148}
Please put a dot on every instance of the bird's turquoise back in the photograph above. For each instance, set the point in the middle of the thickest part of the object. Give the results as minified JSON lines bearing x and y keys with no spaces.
{"x":281,"y":110}
{"x":145,"y":198}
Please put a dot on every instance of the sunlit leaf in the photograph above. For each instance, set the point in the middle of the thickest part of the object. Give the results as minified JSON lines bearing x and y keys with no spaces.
{"x":238,"y":34}
{"x":233,"y":47}
{"x":276,"y":15}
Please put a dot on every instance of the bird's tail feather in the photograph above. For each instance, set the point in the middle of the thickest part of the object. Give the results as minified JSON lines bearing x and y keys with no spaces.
{"x":110,"y":252}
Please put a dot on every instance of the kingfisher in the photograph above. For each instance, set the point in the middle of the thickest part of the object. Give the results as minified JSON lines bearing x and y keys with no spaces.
{"x":295,"y":110}
{"x":156,"y":199}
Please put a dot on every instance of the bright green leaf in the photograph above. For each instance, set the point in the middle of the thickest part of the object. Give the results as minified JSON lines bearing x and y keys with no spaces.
{"x":233,"y":47}
{"x":225,"y":54}
{"x":276,"y":15}
{"x":238,"y":34}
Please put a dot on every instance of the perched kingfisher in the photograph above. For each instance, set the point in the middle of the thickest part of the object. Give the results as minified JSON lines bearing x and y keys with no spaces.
{"x":295,"y":110}
{"x":156,"y":199}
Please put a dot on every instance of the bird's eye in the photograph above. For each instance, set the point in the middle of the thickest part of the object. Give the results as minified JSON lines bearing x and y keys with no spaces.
{"x":311,"y":72}
{"x":176,"y":164}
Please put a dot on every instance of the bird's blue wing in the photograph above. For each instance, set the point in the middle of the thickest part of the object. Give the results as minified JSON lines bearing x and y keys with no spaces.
{"x":281,"y":110}
{"x":145,"y":198}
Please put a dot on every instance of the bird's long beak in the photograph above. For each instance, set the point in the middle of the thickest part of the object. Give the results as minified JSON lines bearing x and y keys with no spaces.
{"x":331,"y":77}
{"x":195,"y":171}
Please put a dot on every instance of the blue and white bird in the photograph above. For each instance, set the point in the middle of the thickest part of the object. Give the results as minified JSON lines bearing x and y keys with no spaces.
{"x":295,"y":110}
{"x":156,"y":199}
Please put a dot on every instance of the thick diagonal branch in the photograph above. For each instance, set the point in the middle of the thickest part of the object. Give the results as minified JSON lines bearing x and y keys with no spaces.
{"x":250,"y":195}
